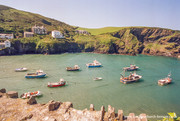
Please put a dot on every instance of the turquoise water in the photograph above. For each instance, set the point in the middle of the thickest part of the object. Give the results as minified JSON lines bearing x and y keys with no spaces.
{"x":141,"y":97}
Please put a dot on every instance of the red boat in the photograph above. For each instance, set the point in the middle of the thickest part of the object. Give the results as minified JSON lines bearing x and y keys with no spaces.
{"x":57,"y":84}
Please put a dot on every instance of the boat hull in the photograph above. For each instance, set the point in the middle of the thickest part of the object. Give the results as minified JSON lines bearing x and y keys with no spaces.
{"x":59,"y":85}
{"x":93,"y":66}
{"x":72,"y":69}
{"x":29,"y":94}
{"x":36,"y":76}
{"x":21,"y":70}
{"x":128,"y":82}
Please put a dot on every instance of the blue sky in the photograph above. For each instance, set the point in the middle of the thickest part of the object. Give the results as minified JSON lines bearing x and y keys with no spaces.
{"x":102,"y":13}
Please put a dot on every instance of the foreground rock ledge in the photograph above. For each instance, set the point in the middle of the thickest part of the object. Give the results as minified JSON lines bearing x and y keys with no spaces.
{"x":16,"y":109}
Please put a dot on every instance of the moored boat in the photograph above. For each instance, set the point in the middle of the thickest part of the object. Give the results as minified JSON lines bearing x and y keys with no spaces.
{"x":165,"y":81}
{"x":133,"y":77}
{"x":21,"y":69}
{"x":131,"y":68}
{"x":94,"y":64}
{"x":97,"y":78}
{"x":38,"y":74}
{"x":57,"y":84}
{"x":29,"y":94}
{"x":75,"y":68}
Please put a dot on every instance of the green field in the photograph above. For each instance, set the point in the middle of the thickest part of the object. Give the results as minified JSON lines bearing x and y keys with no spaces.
{"x":96,"y":31}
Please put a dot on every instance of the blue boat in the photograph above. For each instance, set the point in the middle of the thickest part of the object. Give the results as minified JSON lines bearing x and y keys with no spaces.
{"x":94,"y":64}
{"x":38,"y":74}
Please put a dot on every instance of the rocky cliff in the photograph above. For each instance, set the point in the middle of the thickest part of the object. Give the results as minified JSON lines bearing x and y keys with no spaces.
{"x":123,"y":40}
{"x":13,"y":108}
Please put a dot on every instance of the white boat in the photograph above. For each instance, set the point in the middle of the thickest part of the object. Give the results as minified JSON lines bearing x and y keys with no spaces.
{"x":97,"y":78}
{"x":38,"y":74}
{"x":21,"y":69}
{"x":133,"y":77}
{"x":94,"y":64}
{"x":165,"y":81}
{"x":57,"y":84}
{"x":29,"y":94}
{"x":75,"y":68}
{"x":131,"y":68}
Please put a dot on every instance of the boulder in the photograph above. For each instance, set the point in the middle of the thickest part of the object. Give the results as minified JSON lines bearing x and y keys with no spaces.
{"x":3,"y":90}
{"x":53,"y":106}
{"x":32,"y":100}
{"x":131,"y":117}
{"x":111,"y":111}
{"x":1,"y":94}
{"x":142,"y":117}
{"x":179,"y":56}
{"x":91,"y":107}
{"x":120,"y":115}
{"x":65,"y":106}
{"x":102,"y":113}
{"x":27,"y":117}
{"x":12,"y":94}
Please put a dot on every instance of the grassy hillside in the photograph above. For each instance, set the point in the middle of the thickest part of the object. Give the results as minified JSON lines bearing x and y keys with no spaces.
{"x":119,"y":40}
{"x":16,"y":21}
{"x":96,"y":31}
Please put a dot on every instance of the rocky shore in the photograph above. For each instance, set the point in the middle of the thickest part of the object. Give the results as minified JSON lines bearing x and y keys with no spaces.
{"x":13,"y":108}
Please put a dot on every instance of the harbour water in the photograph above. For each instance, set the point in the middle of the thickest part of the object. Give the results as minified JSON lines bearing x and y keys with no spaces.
{"x":144,"y":96}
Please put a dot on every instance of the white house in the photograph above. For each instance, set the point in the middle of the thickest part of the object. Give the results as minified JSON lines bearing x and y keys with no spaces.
{"x":57,"y":34}
{"x":6,"y":36}
{"x":7,"y":43}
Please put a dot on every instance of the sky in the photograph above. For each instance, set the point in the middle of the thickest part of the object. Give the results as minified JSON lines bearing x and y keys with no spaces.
{"x":104,"y":13}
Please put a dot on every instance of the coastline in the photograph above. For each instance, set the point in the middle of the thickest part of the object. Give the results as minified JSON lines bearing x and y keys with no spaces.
{"x":24,"y":109}
{"x":5,"y":53}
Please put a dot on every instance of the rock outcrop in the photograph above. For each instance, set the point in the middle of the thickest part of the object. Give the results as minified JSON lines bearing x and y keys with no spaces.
{"x":32,"y":100}
{"x":3,"y":90}
{"x":19,"y":110}
{"x":12,"y":94}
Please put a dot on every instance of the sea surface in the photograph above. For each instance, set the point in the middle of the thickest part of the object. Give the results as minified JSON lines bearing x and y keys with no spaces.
{"x":144,"y":96}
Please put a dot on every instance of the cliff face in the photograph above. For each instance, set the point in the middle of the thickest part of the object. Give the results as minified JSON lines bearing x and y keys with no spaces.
{"x":134,"y":40}
{"x":131,"y":41}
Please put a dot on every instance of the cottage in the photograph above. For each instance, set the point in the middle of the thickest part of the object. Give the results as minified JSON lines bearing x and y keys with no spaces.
{"x":6,"y":36}
{"x":82,"y":32}
{"x":39,"y":30}
{"x":5,"y":44}
{"x":57,"y":34}
{"x":28,"y":34}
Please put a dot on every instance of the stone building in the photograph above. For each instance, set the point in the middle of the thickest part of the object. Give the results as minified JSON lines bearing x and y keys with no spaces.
{"x":39,"y":30}
{"x":82,"y":32}
{"x":6,"y":36}
{"x":28,"y":34}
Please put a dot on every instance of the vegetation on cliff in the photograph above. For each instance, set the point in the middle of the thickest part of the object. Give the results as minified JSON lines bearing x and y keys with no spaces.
{"x":118,"y":40}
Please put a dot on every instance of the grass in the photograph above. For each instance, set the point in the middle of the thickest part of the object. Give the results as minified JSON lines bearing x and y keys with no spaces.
{"x":97,"y":31}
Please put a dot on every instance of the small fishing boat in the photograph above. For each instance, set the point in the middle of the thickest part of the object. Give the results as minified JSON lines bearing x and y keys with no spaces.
{"x":75,"y":68}
{"x":29,"y":94}
{"x":38,"y":74}
{"x":131,"y":68}
{"x":94,"y":64}
{"x":21,"y":69}
{"x":165,"y":81}
{"x":97,"y":78}
{"x":57,"y":84}
{"x":133,"y":77}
